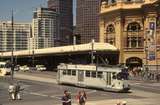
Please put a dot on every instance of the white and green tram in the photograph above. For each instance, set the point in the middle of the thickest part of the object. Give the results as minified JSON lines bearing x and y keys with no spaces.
{"x":109,"y":78}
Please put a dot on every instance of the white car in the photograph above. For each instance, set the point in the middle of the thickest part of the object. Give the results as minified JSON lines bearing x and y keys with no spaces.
{"x":17,"y":68}
{"x":24,"y":68}
{"x":4,"y":70}
{"x":40,"y":67}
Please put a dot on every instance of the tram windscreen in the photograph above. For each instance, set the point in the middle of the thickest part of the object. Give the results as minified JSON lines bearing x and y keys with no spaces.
{"x":122,"y":76}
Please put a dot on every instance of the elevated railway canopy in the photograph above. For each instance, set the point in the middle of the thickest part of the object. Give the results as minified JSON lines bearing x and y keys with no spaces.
{"x":75,"y":54}
{"x":105,"y":47}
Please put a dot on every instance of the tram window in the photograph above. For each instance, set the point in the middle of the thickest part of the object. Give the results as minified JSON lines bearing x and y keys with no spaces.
{"x":93,"y":74}
{"x":74,"y":72}
{"x":99,"y":74}
{"x":122,"y":76}
{"x":114,"y":76}
{"x":64,"y":72}
{"x":87,"y":73}
{"x":69,"y":72}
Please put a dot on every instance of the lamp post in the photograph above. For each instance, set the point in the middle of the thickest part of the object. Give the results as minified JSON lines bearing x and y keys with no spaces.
{"x":12,"y":56}
{"x":92,"y":56}
{"x":76,"y":38}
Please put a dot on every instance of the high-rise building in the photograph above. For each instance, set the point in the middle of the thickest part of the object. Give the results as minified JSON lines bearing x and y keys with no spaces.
{"x":64,"y":9}
{"x":87,"y":20}
{"x":45,"y":28}
{"x":16,"y":37}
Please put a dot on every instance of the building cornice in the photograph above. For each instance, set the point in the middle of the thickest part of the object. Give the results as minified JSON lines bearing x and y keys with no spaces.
{"x":125,"y":6}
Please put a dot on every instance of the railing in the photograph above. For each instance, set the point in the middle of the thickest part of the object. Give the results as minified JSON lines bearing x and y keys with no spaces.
{"x":150,"y":74}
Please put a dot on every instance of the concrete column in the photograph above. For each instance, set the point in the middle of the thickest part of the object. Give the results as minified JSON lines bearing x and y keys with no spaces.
{"x":151,"y":36}
{"x":102,"y":29}
{"x":119,"y":38}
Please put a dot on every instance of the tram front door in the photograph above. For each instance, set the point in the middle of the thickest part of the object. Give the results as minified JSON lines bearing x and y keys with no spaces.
{"x":108,"y":79}
{"x":80,"y":76}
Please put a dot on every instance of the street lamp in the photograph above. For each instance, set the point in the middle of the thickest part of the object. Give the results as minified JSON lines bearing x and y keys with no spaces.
{"x":76,"y":38}
{"x":12,"y":57}
{"x":92,"y":56}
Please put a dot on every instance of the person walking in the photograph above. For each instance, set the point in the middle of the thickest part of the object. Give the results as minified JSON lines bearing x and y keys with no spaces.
{"x":17,"y":91}
{"x":66,"y":98}
{"x":11,"y":91}
{"x":81,"y":97}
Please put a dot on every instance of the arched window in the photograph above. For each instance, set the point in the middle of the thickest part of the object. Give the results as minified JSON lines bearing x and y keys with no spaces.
{"x":134,"y":37}
{"x":110,"y":34}
{"x":132,"y":27}
{"x":110,"y":29}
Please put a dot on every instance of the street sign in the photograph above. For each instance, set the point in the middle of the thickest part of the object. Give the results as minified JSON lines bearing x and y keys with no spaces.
{"x":151,"y":55}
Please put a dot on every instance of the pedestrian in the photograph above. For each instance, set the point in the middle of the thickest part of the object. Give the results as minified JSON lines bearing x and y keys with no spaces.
{"x":11,"y":91}
{"x":66,"y":98}
{"x":17,"y":91}
{"x":81,"y":97}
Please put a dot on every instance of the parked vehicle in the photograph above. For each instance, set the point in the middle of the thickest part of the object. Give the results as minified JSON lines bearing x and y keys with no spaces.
{"x":24,"y":68}
{"x":4,"y":69}
{"x":40,"y":67}
{"x":17,"y":68}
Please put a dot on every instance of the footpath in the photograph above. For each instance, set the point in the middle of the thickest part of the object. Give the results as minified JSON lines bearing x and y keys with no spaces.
{"x":46,"y":77}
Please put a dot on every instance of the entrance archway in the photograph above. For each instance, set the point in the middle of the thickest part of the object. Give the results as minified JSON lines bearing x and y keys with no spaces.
{"x":134,"y":62}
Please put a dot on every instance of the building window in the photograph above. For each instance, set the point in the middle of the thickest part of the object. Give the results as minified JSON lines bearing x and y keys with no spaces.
{"x":110,"y":34}
{"x":134,"y":38}
{"x":158,"y":21}
{"x":110,"y":29}
{"x":111,"y":1}
{"x":128,"y":0}
{"x":132,"y":27}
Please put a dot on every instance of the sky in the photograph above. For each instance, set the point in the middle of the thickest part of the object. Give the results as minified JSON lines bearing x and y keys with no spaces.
{"x":23,"y":9}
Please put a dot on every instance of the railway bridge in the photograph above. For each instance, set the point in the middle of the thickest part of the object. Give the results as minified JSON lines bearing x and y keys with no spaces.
{"x":99,"y":53}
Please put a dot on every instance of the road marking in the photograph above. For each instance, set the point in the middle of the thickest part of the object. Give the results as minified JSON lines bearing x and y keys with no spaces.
{"x":54,"y":96}
{"x":137,"y":83}
{"x":146,"y":87}
{"x":37,"y":94}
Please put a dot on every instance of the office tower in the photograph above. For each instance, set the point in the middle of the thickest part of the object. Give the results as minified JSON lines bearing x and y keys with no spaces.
{"x":87,"y":20}
{"x":45,"y":28}
{"x":64,"y":9}
{"x":16,"y":38}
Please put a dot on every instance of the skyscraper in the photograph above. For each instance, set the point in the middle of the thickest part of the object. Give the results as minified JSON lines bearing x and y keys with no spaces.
{"x":45,"y":28}
{"x":87,"y":20}
{"x":16,"y":39}
{"x":64,"y":9}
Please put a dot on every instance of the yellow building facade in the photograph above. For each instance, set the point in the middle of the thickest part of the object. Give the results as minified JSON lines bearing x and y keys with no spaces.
{"x":133,"y":26}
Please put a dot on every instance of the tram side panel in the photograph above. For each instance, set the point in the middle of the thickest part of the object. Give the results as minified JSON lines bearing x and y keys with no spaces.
{"x":104,"y":78}
{"x":67,"y":77}
{"x":94,"y":79}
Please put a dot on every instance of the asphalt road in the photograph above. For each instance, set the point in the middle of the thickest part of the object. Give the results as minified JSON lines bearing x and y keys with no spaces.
{"x":41,"y":93}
